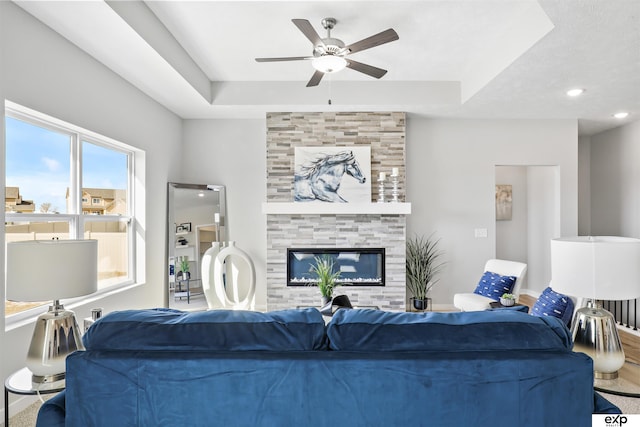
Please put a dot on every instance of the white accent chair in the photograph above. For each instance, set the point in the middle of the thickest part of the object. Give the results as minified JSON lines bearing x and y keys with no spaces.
{"x":475,"y":302}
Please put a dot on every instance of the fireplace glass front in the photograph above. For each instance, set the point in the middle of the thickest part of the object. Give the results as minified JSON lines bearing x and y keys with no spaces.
{"x":358,"y":267}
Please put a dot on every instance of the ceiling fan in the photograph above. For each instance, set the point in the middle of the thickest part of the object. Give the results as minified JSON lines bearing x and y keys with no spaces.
{"x":329,"y":54}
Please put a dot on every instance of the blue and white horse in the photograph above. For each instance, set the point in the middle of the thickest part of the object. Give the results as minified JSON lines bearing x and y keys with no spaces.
{"x":320,"y":180}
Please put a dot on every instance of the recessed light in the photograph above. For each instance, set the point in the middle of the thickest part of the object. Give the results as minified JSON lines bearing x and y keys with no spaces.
{"x":575,"y":92}
{"x":621,"y":115}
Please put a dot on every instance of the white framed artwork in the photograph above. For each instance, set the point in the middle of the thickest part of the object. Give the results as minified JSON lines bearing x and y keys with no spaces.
{"x":332,"y":174}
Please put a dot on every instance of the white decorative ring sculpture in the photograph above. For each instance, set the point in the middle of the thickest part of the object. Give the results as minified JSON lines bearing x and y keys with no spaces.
{"x":229,"y":274}
{"x":208,"y":285}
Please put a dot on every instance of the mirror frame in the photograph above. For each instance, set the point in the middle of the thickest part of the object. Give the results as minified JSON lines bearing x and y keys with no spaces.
{"x":170,"y":231}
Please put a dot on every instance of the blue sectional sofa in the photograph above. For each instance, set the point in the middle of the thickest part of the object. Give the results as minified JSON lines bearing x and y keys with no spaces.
{"x":365,"y":368}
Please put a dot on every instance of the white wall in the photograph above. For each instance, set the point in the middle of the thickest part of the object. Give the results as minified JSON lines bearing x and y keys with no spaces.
{"x":536,"y":220}
{"x":615,"y":182}
{"x":584,"y":186}
{"x":511,"y":235}
{"x":544,"y":215}
{"x":43,"y":71}
{"x":450,"y":181}
{"x":233,"y":153}
{"x":3,"y":369}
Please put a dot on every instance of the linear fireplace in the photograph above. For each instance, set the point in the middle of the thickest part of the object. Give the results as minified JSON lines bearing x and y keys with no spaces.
{"x":357,"y":266}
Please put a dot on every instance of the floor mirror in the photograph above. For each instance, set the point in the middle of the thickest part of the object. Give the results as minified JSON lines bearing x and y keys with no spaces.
{"x":196,"y":218}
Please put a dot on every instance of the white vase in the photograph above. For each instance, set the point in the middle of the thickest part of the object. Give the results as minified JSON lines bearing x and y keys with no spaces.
{"x":235,"y":274}
{"x":208,"y":285}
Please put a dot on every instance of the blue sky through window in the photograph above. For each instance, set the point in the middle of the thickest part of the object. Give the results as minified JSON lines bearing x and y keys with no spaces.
{"x":103,"y":168}
{"x":38,"y":162}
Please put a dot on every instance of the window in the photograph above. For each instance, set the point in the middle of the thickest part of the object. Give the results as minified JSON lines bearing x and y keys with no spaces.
{"x":53,"y":170}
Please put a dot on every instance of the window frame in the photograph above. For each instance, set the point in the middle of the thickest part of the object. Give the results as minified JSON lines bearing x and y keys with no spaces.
{"x":76,"y":219}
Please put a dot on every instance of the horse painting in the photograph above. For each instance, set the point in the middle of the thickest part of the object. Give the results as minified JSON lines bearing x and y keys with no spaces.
{"x":321,"y":178}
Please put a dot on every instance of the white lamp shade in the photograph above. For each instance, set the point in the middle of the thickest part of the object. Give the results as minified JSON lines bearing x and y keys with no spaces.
{"x":599,"y":267}
{"x":42,"y":270}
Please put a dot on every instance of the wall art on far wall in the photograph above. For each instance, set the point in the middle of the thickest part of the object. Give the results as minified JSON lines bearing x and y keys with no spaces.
{"x":503,"y":202}
{"x":185,"y":227}
{"x":332,"y":174}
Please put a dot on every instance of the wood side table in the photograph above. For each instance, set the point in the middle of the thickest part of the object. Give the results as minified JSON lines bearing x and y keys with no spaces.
{"x":20,"y":383}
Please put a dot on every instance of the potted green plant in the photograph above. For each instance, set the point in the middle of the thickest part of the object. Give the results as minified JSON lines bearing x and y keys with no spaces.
{"x":423,"y":264}
{"x":507,"y":299}
{"x":184,"y":267}
{"x":325,"y":276}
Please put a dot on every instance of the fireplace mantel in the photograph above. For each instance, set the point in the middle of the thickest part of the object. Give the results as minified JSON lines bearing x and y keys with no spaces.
{"x":300,"y":208}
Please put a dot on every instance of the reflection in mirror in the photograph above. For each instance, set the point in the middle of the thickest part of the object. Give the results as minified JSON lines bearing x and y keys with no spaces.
{"x":196,"y":219}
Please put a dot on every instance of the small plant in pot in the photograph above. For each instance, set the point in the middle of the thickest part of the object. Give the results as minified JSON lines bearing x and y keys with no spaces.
{"x":184,"y":267}
{"x":507,"y":299}
{"x":423,"y":264}
{"x":326,"y":277}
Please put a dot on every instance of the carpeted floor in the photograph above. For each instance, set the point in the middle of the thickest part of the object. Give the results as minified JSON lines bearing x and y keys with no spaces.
{"x":27,"y":417}
{"x":628,"y":405}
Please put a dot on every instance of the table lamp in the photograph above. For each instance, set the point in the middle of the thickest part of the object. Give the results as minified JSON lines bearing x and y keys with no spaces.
{"x":598,"y":268}
{"x":41,"y":270}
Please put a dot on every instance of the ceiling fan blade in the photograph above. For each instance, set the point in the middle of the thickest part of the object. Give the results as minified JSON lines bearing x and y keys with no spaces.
{"x":306,"y":28}
{"x":366,"y":69}
{"x":286,"y":58}
{"x":315,"y":79}
{"x":373,"y":41}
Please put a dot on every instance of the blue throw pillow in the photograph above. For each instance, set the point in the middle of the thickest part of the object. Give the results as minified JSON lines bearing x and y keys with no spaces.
{"x":552,"y":303}
{"x":492,"y":285}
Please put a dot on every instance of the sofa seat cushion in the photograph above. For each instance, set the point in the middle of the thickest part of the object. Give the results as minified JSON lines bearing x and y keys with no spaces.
{"x":373,"y":330}
{"x":215,"y":330}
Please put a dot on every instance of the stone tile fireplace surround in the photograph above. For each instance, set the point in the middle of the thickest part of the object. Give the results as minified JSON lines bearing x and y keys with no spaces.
{"x":384,"y":132}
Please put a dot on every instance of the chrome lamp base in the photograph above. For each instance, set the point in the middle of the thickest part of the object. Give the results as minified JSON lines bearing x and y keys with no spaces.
{"x":595,"y":334}
{"x":56,"y":335}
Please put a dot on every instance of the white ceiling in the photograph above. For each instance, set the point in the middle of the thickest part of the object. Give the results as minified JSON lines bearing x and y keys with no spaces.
{"x":454,"y":58}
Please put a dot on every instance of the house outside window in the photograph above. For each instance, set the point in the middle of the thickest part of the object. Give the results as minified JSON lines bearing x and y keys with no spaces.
{"x":53,"y":170}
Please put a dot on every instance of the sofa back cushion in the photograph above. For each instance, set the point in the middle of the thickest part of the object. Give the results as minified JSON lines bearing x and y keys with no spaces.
{"x":373,"y":330}
{"x":215,"y":330}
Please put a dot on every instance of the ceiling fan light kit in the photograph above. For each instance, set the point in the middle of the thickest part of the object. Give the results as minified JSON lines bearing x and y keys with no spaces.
{"x":329,"y":53}
{"x":329,"y":63}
